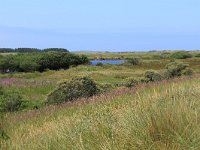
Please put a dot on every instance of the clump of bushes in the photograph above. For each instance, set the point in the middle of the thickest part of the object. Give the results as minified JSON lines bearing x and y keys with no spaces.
{"x":197,"y":55}
{"x":149,"y":76}
{"x":181,"y":55}
{"x":134,"y":61}
{"x":172,"y":70}
{"x":152,"y":75}
{"x":29,"y":62}
{"x":71,"y":90}
{"x":131,"y":82}
{"x":99,"y":64}
{"x":175,"y":69}
{"x":10,"y":100}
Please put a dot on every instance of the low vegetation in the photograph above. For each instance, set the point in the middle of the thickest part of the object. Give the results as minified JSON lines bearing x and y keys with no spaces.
{"x":161,"y":116}
{"x":181,"y":55}
{"x":56,"y":100}
{"x":172,"y":70}
{"x":10,"y":100}
{"x":31,"y":50}
{"x":78,"y":87}
{"x":40,"y":61}
{"x":134,"y":61}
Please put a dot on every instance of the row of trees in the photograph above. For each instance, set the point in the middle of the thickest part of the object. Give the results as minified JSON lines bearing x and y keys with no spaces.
{"x":27,"y":62}
{"x":30,"y":50}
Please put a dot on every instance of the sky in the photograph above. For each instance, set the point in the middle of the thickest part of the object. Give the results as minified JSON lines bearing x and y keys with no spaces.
{"x":101,"y":25}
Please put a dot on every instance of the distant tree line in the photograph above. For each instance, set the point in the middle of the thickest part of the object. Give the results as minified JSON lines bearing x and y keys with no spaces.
{"x":26,"y":62}
{"x":30,"y":50}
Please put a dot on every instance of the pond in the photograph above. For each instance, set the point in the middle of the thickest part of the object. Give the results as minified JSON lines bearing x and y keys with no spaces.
{"x":110,"y":61}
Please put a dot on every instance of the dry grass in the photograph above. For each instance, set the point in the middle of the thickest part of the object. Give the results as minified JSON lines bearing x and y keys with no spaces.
{"x":162,"y":115}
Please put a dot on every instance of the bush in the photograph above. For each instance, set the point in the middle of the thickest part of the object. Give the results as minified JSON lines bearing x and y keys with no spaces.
{"x":134,"y":61}
{"x":10,"y":101}
{"x":152,"y":76}
{"x":131,"y":82}
{"x":175,"y":69}
{"x":71,"y":90}
{"x":30,"y":62}
{"x":99,"y":64}
{"x":181,"y":55}
{"x":187,"y":72}
{"x":197,"y":55}
{"x":57,"y":60}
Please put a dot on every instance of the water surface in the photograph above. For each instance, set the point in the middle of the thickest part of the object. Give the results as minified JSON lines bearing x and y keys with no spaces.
{"x":110,"y":61}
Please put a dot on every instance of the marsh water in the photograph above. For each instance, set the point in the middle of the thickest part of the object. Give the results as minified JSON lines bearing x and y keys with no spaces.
{"x":110,"y":61}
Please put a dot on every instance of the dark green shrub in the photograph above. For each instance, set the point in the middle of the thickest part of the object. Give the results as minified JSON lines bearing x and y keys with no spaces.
{"x":30,"y":62}
{"x":181,"y":55}
{"x":134,"y":61}
{"x":187,"y":72}
{"x":70,"y":90}
{"x":131,"y":82}
{"x":1,"y":90}
{"x":99,"y":64}
{"x":58,"y":60}
{"x":28,"y":66}
{"x":152,"y":76}
{"x":10,"y":101}
{"x":197,"y":55}
{"x":55,"y":50}
{"x":175,"y":69}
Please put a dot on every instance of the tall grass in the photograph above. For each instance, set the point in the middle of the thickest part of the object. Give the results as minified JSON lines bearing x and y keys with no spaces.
{"x":156,"y":116}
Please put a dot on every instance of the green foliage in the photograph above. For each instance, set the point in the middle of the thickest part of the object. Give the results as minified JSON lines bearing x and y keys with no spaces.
{"x":197,"y":55}
{"x":55,"y":50}
{"x":31,"y":50}
{"x":181,"y":55}
{"x":55,"y":60}
{"x":6,"y":50}
{"x":152,"y":76}
{"x":71,"y":90}
{"x":131,"y":82}
{"x":40,"y":61}
{"x":99,"y":64}
{"x":134,"y":61}
{"x":10,"y":101}
{"x":26,"y":50}
{"x":187,"y":72}
{"x":175,"y":69}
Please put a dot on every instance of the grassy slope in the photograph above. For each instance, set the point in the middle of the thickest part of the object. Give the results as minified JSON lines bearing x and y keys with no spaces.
{"x":35,"y":86}
{"x":156,"y":116}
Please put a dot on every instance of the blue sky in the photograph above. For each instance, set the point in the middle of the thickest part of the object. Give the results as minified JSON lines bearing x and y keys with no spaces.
{"x":107,"y":25}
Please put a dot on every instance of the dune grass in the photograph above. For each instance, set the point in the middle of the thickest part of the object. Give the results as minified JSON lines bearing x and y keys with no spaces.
{"x":162,"y":115}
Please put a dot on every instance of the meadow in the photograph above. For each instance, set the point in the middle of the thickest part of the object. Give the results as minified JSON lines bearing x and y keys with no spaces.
{"x":154,"y":115}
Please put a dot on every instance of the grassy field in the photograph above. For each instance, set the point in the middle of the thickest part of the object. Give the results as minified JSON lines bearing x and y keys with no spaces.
{"x":35,"y":86}
{"x":123,"y":55}
{"x":160,"y":115}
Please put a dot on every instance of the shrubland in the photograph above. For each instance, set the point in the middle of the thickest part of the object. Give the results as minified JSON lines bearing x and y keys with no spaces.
{"x":93,"y":108}
{"x":31,"y":62}
{"x":172,"y":70}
